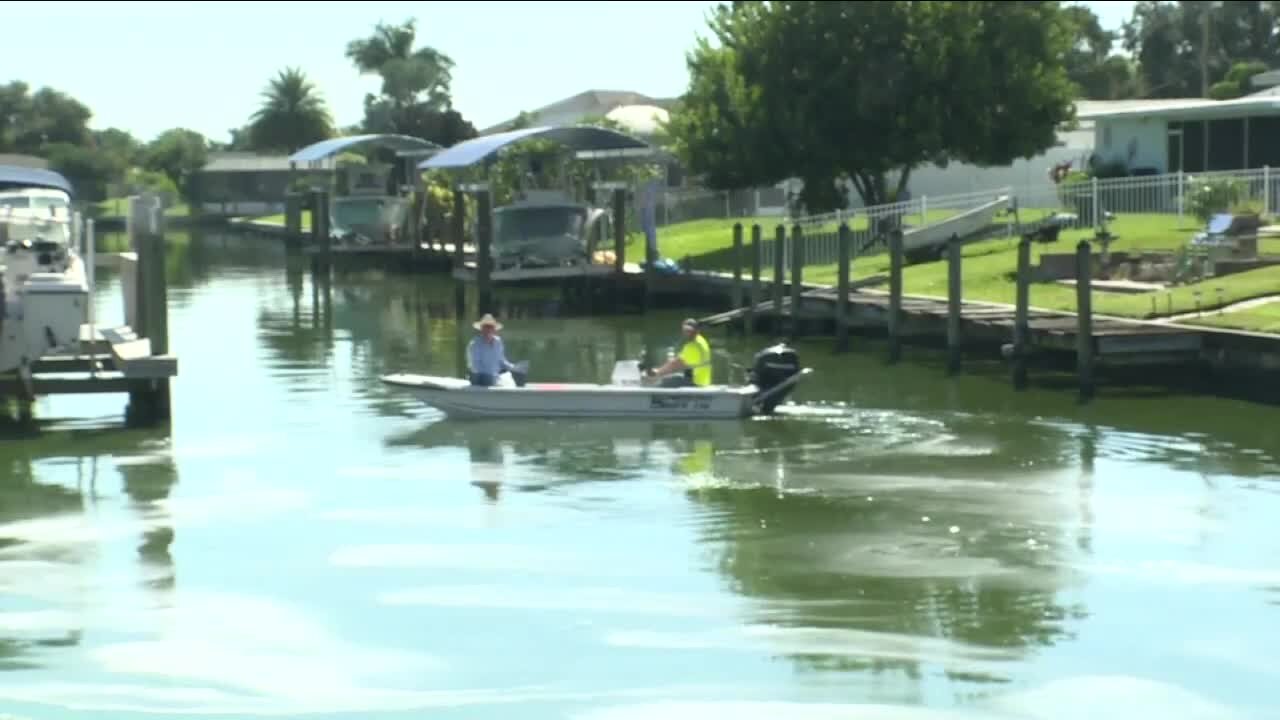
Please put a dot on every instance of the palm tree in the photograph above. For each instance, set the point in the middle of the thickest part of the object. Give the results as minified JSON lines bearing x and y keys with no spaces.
{"x":405,"y":72}
{"x":292,"y":115}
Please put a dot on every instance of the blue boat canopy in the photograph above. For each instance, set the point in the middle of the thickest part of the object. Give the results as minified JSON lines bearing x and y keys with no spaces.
{"x":580,"y":138}
{"x":14,"y":176}
{"x":403,"y":145}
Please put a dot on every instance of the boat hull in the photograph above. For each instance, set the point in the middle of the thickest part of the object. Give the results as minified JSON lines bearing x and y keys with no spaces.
{"x":458,"y":399}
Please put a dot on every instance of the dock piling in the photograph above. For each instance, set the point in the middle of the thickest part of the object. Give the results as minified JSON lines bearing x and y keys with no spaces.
{"x":149,"y":399}
{"x":320,"y":234}
{"x":895,"y":297}
{"x":293,"y":203}
{"x":413,"y":227}
{"x":757,"y":255}
{"x":619,"y":243}
{"x":779,"y":269}
{"x":954,"y":295}
{"x":1021,"y":329}
{"x":797,"y":276}
{"x":1084,"y":318}
{"x":737,"y":289}
{"x":843,"y":270}
{"x":484,"y":243}
{"x":458,"y":230}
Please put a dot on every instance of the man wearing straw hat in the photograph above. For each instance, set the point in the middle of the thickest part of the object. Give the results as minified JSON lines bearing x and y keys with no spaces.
{"x":487,"y":357}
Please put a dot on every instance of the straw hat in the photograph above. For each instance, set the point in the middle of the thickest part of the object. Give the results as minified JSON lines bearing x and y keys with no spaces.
{"x":487,"y":320}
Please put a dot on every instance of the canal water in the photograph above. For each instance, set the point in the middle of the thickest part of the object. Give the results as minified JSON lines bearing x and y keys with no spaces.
{"x":305,"y":541}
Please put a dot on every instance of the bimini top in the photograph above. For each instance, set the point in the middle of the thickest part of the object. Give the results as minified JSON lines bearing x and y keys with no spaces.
{"x":17,"y":176}
{"x":580,"y":138}
{"x":403,"y":145}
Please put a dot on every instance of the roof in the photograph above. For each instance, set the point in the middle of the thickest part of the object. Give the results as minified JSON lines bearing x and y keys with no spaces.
{"x":1184,"y":109}
{"x":251,"y":162}
{"x":23,"y":160}
{"x":18,"y":176}
{"x":640,"y":119}
{"x":1268,"y":78}
{"x":581,"y":138}
{"x":590,"y":103}
{"x":403,"y":145}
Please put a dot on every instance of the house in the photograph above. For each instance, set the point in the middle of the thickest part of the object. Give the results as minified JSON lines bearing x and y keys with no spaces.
{"x":626,"y":106}
{"x":1192,"y":134}
{"x":30,"y":161}
{"x":241,"y":183}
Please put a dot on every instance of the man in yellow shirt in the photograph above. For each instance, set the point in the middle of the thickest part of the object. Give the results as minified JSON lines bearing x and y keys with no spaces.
{"x":694,"y":359}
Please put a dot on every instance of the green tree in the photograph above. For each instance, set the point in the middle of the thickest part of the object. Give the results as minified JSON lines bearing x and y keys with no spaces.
{"x":415,"y":97}
{"x":15,"y":109}
{"x":91,"y":171}
{"x":870,"y":90}
{"x":292,"y":115}
{"x":1169,"y":41}
{"x":1237,"y":83}
{"x":1099,"y":74}
{"x":178,"y":153}
{"x":29,"y":121}
{"x":119,"y":143}
{"x":407,"y":74}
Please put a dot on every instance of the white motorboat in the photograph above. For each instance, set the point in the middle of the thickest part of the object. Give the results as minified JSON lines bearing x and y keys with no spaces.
{"x":45,"y":291}
{"x":774,"y":375}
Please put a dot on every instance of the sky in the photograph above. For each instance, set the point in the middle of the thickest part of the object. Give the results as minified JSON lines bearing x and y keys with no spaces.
{"x":148,"y":67}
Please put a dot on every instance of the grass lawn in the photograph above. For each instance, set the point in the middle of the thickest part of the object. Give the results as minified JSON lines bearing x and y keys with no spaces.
{"x":1263,"y":318}
{"x":119,"y":207}
{"x":989,"y":267}
{"x":709,"y":243}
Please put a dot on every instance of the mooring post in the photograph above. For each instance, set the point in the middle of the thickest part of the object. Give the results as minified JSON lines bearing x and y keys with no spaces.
{"x":1021,"y":330}
{"x":149,"y":398}
{"x":895,"y":296}
{"x":1084,"y":318}
{"x":797,"y":276}
{"x":413,"y":227}
{"x":293,"y":203}
{"x":757,"y":256}
{"x":650,"y":261}
{"x":484,"y":246}
{"x":843,"y":269}
{"x":779,"y":269}
{"x":737,"y":290}
{"x":954,"y":307}
{"x":619,"y":245}
{"x":458,"y":231}
{"x":321,"y":237}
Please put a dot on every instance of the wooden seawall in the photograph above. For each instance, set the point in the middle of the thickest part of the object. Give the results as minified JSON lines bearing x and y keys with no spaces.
{"x":1018,"y":333}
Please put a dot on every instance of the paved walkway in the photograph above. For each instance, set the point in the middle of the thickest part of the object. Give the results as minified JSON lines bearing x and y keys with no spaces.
{"x":1242,"y":305}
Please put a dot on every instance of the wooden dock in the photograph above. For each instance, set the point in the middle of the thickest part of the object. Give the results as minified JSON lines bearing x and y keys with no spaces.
{"x":1114,"y":339}
{"x":1018,"y":333}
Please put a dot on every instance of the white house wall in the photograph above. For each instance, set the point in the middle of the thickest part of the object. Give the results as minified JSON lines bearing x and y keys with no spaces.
{"x":1136,"y":142}
{"x":1028,"y":178}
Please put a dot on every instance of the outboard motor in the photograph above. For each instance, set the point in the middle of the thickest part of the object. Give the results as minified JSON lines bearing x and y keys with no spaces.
{"x":774,"y":372}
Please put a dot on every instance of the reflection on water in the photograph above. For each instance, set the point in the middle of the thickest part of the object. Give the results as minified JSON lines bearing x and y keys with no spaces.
{"x":894,"y":545}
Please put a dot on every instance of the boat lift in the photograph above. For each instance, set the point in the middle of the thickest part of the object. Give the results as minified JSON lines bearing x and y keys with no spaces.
{"x":565,"y":247}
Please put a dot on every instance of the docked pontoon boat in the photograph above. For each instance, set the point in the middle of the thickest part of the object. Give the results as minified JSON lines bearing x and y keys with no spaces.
{"x":774,"y":375}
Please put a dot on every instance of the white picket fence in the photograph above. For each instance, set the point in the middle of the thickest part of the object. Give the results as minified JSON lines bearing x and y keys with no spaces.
{"x":870,"y":226}
{"x":1078,"y":205}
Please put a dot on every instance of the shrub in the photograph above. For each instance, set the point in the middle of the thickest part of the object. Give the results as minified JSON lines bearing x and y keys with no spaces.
{"x":1206,"y":198}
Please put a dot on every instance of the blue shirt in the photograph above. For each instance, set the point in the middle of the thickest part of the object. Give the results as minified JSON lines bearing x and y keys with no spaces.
{"x":487,"y":358}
